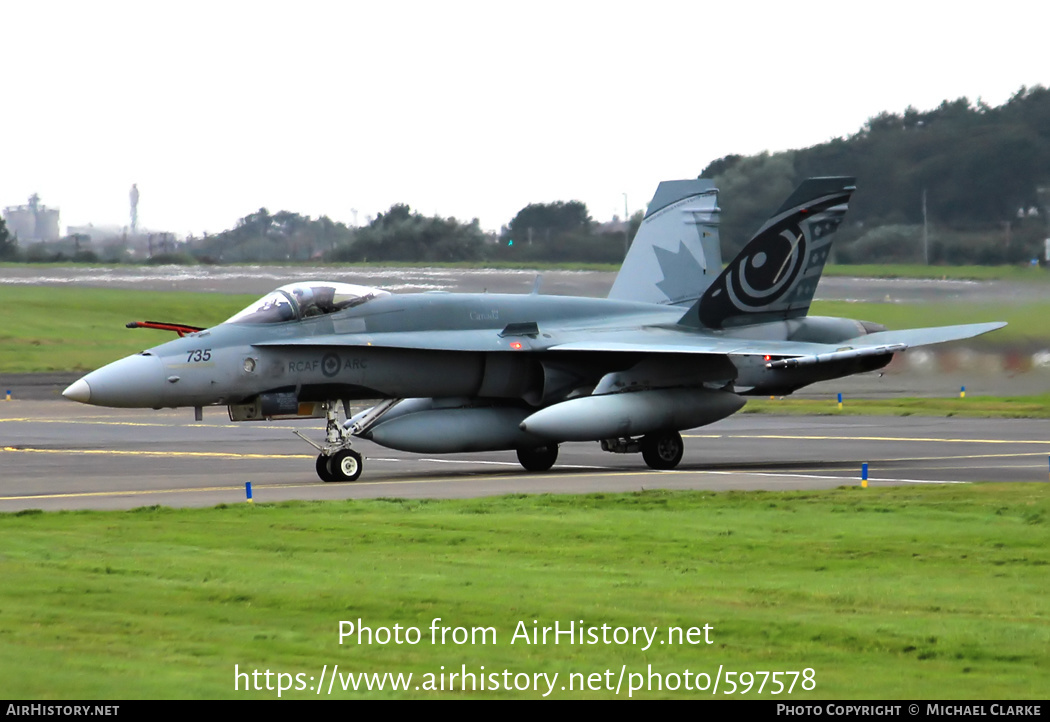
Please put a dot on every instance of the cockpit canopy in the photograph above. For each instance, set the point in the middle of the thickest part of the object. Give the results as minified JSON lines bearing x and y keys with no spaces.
{"x":307,"y":299}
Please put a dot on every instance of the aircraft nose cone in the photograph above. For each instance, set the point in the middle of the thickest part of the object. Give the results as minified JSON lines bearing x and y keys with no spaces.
{"x":133,"y":382}
{"x":78,"y":391}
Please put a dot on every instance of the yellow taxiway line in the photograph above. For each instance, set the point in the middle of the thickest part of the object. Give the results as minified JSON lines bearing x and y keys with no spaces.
{"x":118,"y":452}
{"x":896,"y":439}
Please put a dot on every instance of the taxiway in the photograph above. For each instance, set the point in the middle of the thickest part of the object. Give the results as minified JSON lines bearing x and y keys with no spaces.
{"x":57,"y":455}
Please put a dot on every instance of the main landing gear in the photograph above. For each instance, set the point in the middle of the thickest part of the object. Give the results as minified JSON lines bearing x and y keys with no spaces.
{"x":541,"y":458}
{"x":661,"y":450}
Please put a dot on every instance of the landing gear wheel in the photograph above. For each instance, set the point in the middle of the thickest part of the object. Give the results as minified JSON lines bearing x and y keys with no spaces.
{"x":662,"y":450}
{"x":345,"y":465}
{"x":322,"y":468}
{"x":541,"y":458}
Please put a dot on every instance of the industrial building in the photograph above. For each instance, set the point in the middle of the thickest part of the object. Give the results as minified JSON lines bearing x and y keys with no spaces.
{"x":33,"y":221}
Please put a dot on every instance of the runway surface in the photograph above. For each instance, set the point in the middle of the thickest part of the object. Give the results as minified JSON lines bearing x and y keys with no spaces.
{"x":61,"y":455}
{"x":262,"y":279}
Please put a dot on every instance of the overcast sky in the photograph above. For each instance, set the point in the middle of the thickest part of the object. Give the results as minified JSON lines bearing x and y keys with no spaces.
{"x":465,"y":109}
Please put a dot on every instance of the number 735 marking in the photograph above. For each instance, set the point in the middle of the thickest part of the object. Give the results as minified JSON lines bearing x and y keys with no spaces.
{"x":199,"y":354}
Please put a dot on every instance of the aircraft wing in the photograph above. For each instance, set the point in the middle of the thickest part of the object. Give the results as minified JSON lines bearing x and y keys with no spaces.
{"x":926,"y":336}
{"x":673,"y":342}
{"x":621,"y":340}
{"x":637,"y":341}
{"x":646,"y":340}
{"x":887,"y":342}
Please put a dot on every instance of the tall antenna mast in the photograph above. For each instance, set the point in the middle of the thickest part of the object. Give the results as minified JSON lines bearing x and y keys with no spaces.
{"x":925,"y":234}
{"x":134,"y":197}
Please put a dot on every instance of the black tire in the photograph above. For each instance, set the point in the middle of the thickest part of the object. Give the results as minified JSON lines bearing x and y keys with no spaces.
{"x":541,"y":458}
{"x":323,"y":471}
{"x":662,"y":450}
{"x":346,"y":465}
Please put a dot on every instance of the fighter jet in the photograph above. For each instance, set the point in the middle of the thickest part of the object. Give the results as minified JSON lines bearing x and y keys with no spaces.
{"x":678,"y":343}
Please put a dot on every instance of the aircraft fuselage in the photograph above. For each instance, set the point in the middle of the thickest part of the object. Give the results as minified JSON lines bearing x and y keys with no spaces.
{"x":474,"y":350}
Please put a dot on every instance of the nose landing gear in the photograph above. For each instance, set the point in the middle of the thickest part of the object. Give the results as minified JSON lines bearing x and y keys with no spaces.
{"x":337,"y":461}
{"x":343,"y":465}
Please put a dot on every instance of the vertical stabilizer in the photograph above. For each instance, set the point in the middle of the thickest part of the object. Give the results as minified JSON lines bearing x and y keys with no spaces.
{"x":775,"y":276}
{"x":676,"y":255}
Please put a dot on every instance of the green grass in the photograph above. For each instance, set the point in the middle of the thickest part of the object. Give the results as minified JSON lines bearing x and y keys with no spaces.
{"x":933,"y":592}
{"x":1008,"y":407}
{"x":1026,"y":274}
{"x":1028,"y":322}
{"x":77,"y":329}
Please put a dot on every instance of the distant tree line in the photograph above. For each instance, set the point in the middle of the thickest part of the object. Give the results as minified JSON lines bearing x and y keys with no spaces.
{"x":72,"y":249}
{"x":8,"y":244}
{"x":559,"y":231}
{"x":281,"y":236}
{"x":982,"y":174}
{"x":402,"y":235}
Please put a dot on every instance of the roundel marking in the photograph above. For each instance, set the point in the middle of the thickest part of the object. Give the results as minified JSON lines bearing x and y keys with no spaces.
{"x":330,"y":364}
